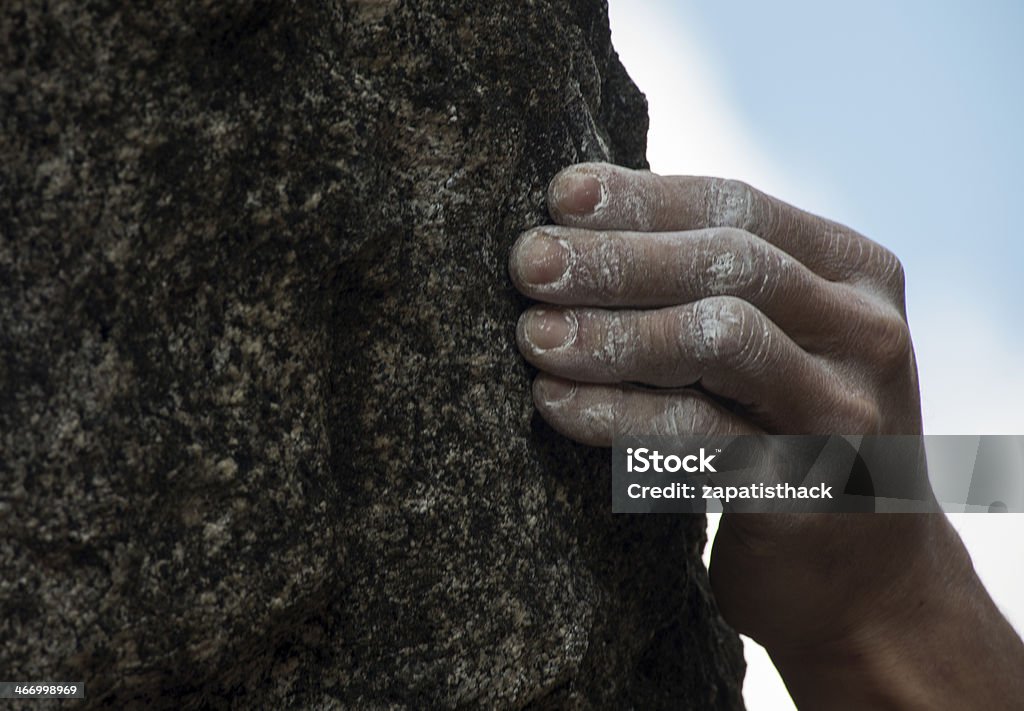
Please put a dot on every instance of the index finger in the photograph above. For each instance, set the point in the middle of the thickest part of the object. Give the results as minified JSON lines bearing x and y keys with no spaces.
{"x":601,"y":196}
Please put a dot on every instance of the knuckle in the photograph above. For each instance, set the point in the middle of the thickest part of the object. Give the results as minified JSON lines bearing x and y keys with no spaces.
{"x":684,"y":414}
{"x":731,"y":203}
{"x":727,"y":329}
{"x":736,"y":263}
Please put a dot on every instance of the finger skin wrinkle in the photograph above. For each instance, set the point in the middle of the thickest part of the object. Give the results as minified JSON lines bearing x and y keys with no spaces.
{"x":778,"y":273}
{"x":667,"y":335}
{"x":894,"y":277}
{"x":845,"y":254}
{"x":875,"y":270}
{"x":652,"y":195}
{"x":886,"y":271}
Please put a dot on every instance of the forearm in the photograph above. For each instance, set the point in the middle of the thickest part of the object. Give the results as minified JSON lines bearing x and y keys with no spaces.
{"x":937,"y":641}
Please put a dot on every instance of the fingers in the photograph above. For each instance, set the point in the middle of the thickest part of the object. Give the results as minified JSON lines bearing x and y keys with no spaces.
{"x":596,"y":414}
{"x":795,"y":318}
{"x":600,"y":196}
{"x":569,"y":266}
{"x":726,"y":345}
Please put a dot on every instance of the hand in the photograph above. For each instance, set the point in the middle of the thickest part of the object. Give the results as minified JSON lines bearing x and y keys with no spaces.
{"x":772,"y":318}
{"x":684,"y":305}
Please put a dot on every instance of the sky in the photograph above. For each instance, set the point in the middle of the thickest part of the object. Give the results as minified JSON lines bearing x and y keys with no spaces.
{"x":902,"y":120}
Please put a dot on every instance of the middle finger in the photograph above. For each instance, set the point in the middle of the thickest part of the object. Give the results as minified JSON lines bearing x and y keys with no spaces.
{"x":575,"y":267}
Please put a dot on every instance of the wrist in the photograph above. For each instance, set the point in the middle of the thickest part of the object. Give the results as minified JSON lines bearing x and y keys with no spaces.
{"x":931,"y":638}
{"x":850,"y":678}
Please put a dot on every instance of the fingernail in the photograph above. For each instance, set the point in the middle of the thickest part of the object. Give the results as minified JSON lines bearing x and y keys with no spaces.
{"x":550,"y":329}
{"x":555,"y":390}
{"x":542,"y":259}
{"x":578,"y":193}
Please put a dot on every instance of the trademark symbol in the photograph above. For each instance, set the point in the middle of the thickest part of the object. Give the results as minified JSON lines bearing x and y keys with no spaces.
{"x":718,"y":450}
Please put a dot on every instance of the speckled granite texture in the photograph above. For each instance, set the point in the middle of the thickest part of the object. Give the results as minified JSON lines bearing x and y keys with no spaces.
{"x":266,"y":439}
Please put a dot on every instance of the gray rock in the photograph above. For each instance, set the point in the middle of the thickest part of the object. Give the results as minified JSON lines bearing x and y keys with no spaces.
{"x":266,"y":439}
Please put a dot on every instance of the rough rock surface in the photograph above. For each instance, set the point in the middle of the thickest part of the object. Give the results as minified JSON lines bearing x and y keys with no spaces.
{"x":266,"y":439}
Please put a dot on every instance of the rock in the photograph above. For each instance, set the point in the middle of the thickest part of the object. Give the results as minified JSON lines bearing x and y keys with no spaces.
{"x":266,"y":439}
